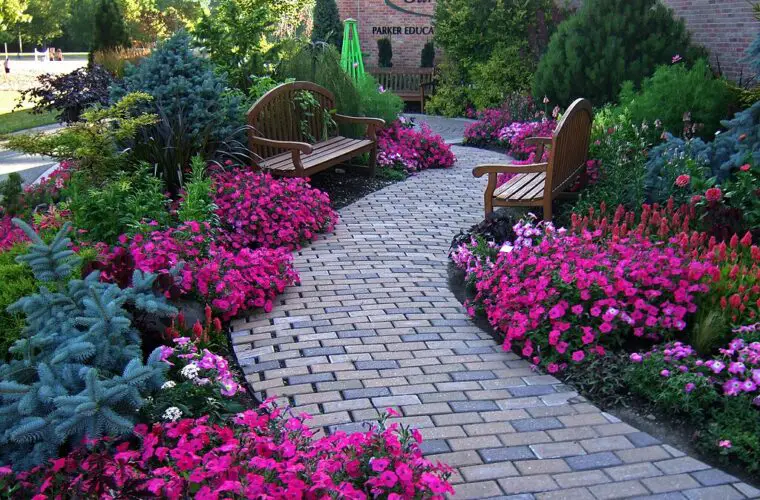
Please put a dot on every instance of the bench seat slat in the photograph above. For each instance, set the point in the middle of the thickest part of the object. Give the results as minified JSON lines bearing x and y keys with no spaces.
{"x":325,"y":154}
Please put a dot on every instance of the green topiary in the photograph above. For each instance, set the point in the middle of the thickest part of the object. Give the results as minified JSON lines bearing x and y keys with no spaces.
{"x":427,"y":57}
{"x":606,"y":43}
{"x":77,"y":371}
{"x":327,"y":25}
{"x":197,"y":112}
{"x":110,"y":29}
{"x":384,"y":53}
{"x":675,"y":90}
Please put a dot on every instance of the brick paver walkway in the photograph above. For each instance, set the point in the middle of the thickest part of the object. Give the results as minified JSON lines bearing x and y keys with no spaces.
{"x":374,"y":325}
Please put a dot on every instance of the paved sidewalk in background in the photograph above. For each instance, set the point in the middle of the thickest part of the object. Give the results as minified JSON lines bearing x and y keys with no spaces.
{"x":374,"y":326}
{"x":451,"y":129}
{"x":31,"y":167}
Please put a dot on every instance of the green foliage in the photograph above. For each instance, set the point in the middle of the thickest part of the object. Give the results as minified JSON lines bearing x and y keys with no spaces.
{"x":196,"y":203}
{"x":110,"y":29}
{"x":320,"y":63}
{"x":500,"y":59}
{"x":77,"y":370}
{"x":666,"y":164}
{"x":451,"y":96}
{"x":599,"y":379}
{"x":503,"y":74}
{"x":427,"y":57}
{"x":11,"y":190}
{"x":384,"y":53}
{"x":621,"y":147}
{"x":197,"y":113}
{"x":385,"y":105}
{"x":607,"y":42}
{"x":18,"y":281}
{"x":738,"y":421}
{"x":675,"y":90}
{"x":117,"y":206}
{"x":95,"y":141}
{"x":261,"y":85}
{"x":327,"y":25}
{"x":742,"y":192}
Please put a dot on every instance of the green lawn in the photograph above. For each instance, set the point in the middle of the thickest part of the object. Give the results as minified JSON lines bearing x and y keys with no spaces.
{"x":20,"y":119}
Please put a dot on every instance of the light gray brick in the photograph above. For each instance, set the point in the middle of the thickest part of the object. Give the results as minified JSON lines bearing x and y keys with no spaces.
{"x":488,"y":471}
{"x":664,"y":484}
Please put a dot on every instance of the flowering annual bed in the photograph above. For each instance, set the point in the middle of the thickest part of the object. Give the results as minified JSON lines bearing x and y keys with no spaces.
{"x":259,"y":211}
{"x":229,"y":280}
{"x":268,"y":453}
{"x":402,"y":146}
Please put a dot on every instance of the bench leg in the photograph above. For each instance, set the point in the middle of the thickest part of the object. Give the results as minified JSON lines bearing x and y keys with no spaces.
{"x":372,"y":161}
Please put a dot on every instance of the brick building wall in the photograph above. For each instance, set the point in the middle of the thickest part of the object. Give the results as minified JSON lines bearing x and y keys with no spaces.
{"x":725,"y":27}
{"x":408,"y":24}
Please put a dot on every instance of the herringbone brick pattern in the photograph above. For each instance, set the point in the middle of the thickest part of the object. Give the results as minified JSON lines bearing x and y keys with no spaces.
{"x":374,"y":325}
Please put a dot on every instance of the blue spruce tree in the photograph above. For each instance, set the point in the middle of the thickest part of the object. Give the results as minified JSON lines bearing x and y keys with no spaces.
{"x":77,"y":370}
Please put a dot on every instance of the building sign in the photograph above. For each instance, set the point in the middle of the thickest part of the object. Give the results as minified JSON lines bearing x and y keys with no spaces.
{"x":407,"y":23}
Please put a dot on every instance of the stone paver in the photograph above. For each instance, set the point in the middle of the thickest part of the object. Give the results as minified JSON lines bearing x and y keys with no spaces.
{"x":374,"y":312}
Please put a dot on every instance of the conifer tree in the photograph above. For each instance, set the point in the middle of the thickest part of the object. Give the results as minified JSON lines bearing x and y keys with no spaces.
{"x":606,"y":43}
{"x":110,"y":28}
{"x":327,"y":25}
{"x":77,"y":370}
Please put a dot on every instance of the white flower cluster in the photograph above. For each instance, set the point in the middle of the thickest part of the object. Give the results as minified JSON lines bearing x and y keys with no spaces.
{"x":172,"y":414}
{"x":169,"y":384}
{"x":190,"y":372}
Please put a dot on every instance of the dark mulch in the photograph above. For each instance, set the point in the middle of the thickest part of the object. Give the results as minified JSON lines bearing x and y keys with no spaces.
{"x":348,"y":185}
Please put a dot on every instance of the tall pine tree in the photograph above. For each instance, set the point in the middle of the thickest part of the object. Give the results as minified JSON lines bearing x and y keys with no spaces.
{"x":110,"y":28}
{"x":606,"y":43}
{"x":327,"y":25}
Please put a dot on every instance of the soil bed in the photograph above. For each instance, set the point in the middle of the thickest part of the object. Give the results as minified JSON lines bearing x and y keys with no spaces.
{"x":347,"y":185}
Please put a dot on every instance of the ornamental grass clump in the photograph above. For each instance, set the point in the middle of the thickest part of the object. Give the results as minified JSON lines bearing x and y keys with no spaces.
{"x":257,"y":210}
{"x":267,"y":453}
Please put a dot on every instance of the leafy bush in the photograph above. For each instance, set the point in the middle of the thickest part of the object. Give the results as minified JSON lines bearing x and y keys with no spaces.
{"x":119,"y":205}
{"x":95,"y":142}
{"x":327,"y":25}
{"x":607,"y":42}
{"x":384,"y":461}
{"x":196,"y":201}
{"x":377,"y":102}
{"x":11,"y":192}
{"x":78,"y":368}
{"x":110,"y":30}
{"x":197,"y":115}
{"x":675,"y":90}
{"x":427,"y":56}
{"x":677,"y":169}
{"x":499,"y":60}
{"x":259,"y":211}
{"x":743,"y":192}
{"x":384,"y":53}
{"x":18,"y":281}
{"x":71,"y":93}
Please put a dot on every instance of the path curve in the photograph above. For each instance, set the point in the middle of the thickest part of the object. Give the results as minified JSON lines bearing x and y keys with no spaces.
{"x":374,"y":325}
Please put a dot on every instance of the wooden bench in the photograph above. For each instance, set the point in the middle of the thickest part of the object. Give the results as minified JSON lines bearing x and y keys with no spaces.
{"x":408,"y":83}
{"x":289,"y":141}
{"x":538,"y":184}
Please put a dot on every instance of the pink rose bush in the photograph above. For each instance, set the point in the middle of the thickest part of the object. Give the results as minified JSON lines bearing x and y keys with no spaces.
{"x":257,"y":210}
{"x":402,"y":146}
{"x":260,"y":454}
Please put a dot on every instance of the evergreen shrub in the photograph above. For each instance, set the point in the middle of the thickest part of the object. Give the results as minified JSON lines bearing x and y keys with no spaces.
{"x":607,"y":42}
{"x":675,"y":90}
{"x":110,"y":29}
{"x":18,"y":281}
{"x":384,"y":53}
{"x":77,"y":370}
{"x":197,"y":113}
{"x":327,"y":25}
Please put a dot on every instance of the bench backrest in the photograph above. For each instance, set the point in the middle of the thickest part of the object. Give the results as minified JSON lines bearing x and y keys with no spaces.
{"x":277,"y":116}
{"x":569,"y":151}
{"x":402,"y":79}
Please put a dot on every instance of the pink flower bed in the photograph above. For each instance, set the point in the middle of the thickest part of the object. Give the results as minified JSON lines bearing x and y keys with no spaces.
{"x":264,"y":454}
{"x":259,"y":211}
{"x":486,"y":130}
{"x":9,"y":234}
{"x":414,"y":150}
{"x":566,"y":296}
{"x":230,"y":281}
{"x":514,"y":135}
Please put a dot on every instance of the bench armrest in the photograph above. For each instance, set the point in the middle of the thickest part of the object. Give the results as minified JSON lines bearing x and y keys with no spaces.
{"x":292,"y":145}
{"x":372,"y":123}
{"x":481,"y":170}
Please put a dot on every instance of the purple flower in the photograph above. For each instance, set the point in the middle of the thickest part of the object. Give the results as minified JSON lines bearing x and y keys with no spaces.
{"x":689,"y":387}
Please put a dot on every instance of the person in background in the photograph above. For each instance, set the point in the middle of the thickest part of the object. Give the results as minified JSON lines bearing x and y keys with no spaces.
{"x":59,"y":55}
{"x":7,"y":67}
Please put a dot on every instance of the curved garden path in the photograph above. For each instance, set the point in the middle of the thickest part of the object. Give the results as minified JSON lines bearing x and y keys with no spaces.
{"x":374,"y":325}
